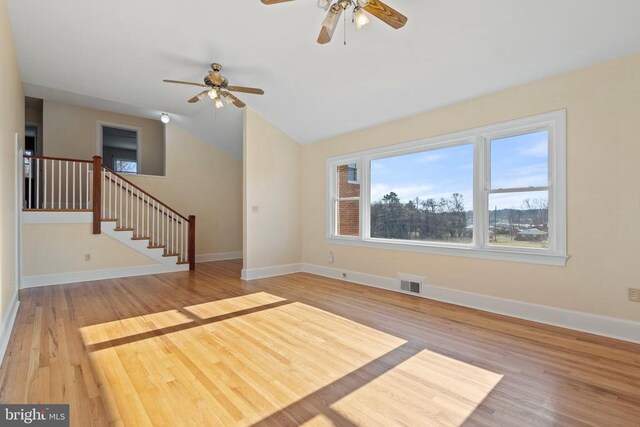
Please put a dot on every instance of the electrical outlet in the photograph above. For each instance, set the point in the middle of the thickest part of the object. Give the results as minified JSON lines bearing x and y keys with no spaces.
{"x":87,"y":257}
{"x":634,"y":295}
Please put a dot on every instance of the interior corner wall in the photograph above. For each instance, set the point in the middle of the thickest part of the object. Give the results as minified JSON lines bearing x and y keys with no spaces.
{"x":272,"y":195}
{"x":11,"y":122}
{"x":71,"y":131}
{"x":603,"y":187}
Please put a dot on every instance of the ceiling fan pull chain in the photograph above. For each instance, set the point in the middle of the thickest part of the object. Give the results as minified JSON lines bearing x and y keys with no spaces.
{"x":345,"y":29}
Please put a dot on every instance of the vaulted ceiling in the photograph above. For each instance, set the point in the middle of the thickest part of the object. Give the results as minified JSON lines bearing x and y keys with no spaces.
{"x":114,"y":54}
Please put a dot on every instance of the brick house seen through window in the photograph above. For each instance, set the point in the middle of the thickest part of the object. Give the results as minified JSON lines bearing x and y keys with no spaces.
{"x":348,"y":201}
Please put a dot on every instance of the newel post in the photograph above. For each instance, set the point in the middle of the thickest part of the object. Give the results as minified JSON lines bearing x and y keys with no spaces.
{"x":97,"y":194}
{"x":192,"y":242}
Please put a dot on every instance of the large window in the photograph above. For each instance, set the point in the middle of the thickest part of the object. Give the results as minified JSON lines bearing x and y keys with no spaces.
{"x":495,"y":192}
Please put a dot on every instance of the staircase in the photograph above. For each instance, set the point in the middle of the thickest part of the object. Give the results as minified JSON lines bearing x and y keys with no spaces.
{"x":120,"y":208}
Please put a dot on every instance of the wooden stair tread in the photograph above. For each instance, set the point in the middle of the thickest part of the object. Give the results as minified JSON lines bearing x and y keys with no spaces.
{"x":182,"y":262}
{"x":155,"y":247}
{"x":170,"y":254}
{"x":109,"y":220}
{"x":124,"y":229}
{"x":140,"y":238}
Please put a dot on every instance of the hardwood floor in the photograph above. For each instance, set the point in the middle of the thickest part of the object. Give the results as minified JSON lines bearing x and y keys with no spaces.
{"x":204,"y":348}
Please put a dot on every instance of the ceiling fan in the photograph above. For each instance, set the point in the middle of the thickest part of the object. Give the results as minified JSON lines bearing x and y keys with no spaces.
{"x":377,"y":8}
{"x":218,"y":88}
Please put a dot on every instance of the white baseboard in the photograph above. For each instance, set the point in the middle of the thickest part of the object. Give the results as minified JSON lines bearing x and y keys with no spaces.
{"x":263,"y":272}
{"x":621,"y":329}
{"x":218,"y":256}
{"x":7,"y":326}
{"x":90,"y":275}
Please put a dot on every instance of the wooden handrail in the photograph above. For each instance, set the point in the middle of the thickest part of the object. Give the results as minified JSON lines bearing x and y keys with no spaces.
{"x":64,"y":159}
{"x":144,"y":192}
{"x":157,"y":208}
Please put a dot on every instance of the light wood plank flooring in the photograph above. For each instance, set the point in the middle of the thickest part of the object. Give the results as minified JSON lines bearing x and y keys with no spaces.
{"x":204,"y":348}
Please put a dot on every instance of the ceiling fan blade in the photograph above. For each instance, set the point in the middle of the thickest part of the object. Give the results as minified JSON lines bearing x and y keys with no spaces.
{"x":386,"y":14}
{"x":329,"y":24}
{"x":235,"y":101}
{"x":252,"y":90}
{"x":185,"y":83}
{"x":197,"y":97}
{"x":273,"y":1}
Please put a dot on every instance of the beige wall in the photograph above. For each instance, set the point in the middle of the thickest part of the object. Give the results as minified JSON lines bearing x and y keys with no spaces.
{"x":70,"y":131}
{"x":61,"y":248}
{"x":204,"y":181}
{"x":11,"y":121}
{"x":272,"y":179}
{"x":603,"y":150}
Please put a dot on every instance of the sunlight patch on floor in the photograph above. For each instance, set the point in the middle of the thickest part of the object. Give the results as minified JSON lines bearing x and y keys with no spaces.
{"x":427,"y":386}
{"x":236,"y":371}
{"x":232,"y":305}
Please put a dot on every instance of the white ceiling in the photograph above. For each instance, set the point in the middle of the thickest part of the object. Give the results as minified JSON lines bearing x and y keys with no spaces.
{"x":116,"y":52}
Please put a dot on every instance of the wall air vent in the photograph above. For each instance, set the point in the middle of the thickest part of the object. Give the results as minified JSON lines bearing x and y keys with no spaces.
{"x":410,"y":283}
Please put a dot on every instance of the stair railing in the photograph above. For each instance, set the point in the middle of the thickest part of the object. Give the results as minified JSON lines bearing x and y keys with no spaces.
{"x":61,"y":184}
{"x":57,"y":184}
{"x":134,"y":209}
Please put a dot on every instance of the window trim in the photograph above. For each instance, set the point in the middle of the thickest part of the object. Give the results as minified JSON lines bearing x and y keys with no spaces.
{"x":555,"y":254}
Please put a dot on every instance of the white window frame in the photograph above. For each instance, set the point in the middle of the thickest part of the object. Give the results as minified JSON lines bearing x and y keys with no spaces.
{"x":554,"y":254}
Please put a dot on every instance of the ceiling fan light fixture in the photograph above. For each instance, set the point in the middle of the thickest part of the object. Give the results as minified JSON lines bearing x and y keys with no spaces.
{"x":324,"y":4}
{"x":218,"y":103}
{"x":360,"y":18}
{"x":164,"y":118}
{"x":362,"y":3}
{"x":213,"y":94}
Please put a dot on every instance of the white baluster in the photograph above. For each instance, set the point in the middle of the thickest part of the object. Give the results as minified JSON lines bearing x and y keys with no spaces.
{"x":173,"y":223}
{"x":152,"y":237}
{"x":164,"y":242}
{"x":138,"y":213}
{"x":66,"y":185}
{"x":73,"y":183}
{"x":59,"y":184}
{"x":44,"y":189}
{"x":37,"y":204}
{"x":31,"y":175}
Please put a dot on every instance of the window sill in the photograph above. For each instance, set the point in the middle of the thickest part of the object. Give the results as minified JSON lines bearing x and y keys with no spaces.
{"x":497,"y":254}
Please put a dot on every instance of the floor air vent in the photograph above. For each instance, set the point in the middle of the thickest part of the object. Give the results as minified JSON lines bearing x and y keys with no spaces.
{"x":409,"y":286}
{"x":410,"y":283}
